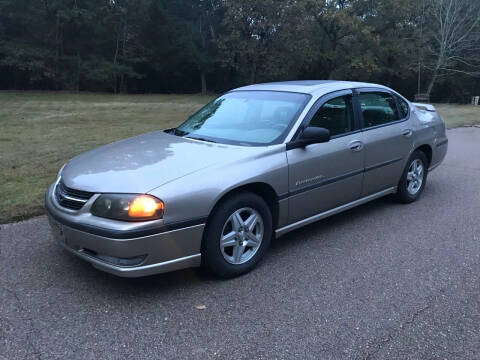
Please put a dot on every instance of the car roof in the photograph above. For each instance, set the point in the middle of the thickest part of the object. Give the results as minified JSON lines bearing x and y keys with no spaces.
{"x":309,"y":86}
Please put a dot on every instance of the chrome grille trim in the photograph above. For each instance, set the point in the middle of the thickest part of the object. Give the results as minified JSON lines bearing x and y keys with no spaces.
{"x":71,"y":198}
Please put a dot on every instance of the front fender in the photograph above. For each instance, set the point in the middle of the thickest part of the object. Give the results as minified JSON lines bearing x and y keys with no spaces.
{"x":194,"y":196}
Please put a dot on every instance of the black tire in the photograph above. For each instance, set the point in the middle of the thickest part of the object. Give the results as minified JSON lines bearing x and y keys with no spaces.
{"x":403,"y":195}
{"x":212,"y":255}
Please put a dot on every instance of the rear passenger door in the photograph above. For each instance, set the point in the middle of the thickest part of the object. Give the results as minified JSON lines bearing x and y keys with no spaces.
{"x":387,"y":136}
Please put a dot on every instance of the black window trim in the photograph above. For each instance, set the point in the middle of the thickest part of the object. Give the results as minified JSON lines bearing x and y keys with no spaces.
{"x":356,"y":104}
{"x":319,"y":103}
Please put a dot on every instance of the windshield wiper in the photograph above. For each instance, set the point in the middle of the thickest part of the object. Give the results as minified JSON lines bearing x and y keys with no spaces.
{"x":201,"y":139}
{"x":177,"y":132}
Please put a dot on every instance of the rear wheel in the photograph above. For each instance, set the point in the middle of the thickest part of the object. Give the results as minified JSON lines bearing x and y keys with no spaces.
{"x":414,"y":178}
{"x":237,"y":235}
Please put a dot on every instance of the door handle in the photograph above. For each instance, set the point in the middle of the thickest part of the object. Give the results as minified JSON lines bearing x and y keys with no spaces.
{"x":356,"y":145}
{"x":407,"y":132}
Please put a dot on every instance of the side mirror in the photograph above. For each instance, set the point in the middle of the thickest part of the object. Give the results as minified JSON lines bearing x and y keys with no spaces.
{"x":310,"y":135}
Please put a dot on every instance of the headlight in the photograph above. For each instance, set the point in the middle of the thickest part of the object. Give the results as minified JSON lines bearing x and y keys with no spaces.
{"x":128,"y":207}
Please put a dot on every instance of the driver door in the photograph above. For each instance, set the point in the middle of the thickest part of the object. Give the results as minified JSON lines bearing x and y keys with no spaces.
{"x":326,"y":175}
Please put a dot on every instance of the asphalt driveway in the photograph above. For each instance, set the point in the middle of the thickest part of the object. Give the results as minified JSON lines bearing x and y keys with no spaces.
{"x":382,"y":281}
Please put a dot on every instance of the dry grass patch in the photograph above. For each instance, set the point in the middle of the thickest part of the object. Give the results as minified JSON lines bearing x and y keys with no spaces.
{"x":459,"y":115}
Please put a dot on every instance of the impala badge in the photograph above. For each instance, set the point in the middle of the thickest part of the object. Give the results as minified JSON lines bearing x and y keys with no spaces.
{"x":309,"y":180}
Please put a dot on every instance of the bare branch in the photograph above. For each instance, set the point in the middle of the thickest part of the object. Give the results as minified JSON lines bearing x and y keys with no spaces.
{"x":453,"y":41}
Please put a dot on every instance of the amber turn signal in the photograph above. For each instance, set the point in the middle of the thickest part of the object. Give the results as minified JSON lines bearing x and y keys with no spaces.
{"x":145,"y":206}
{"x":128,"y":207}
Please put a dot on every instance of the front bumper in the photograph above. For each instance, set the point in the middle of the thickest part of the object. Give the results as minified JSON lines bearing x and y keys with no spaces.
{"x":106,"y":248}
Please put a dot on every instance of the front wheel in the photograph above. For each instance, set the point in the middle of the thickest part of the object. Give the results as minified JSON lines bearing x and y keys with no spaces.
{"x":413,"y":179}
{"x":237,"y":235}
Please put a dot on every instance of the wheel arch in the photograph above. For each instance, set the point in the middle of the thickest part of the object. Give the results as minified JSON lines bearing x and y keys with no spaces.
{"x":427,"y":150}
{"x":262,"y":189}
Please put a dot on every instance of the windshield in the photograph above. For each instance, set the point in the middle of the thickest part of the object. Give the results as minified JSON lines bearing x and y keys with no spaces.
{"x":245,"y":118}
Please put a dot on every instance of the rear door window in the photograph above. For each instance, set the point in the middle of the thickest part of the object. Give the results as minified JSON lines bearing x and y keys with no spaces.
{"x":378,"y":108}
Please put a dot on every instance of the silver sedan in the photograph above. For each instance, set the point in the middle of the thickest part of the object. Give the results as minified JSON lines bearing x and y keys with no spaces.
{"x":255,"y":163}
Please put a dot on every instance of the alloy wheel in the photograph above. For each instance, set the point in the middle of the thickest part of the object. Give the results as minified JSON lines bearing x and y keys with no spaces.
{"x":241,"y":236}
{"x":415,"y":177}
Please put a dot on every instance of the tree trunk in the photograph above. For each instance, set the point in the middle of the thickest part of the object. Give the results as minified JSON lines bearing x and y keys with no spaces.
{"x":57,"y":50}
{"x":77,"y":80}
{"x":435,"y":75}
{"x":115,"y":57}
{"x":332,"y":65}
{"x":253,"y":74}
{"x":124,"y":52}
{"x":419,"y":82}
{"x":432,"y":83}
{"x":204,"y":82}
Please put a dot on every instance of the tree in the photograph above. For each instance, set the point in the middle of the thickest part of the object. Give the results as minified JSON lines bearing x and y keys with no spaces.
{"x":124,"y":18}
{"x":392,"y":28}
{"x":215,"y":45}
{"x":208,"y":15}
{"x":263,"y":40}
{"x":453,"y":39}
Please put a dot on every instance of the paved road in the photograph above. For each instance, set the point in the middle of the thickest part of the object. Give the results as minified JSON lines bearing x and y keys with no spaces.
{"x":383,"y":281}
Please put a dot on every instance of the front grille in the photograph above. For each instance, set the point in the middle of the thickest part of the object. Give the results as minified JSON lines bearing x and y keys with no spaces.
{"x":71,"y":198}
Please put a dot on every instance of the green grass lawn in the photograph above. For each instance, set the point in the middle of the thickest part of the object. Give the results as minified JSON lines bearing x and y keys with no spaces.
{"x":39,"y":132}
{"x":459,"y":115}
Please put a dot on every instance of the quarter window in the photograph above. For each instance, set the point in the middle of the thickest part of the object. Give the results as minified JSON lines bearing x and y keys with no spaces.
{"x":335,"y":115}
{"x":378,"y":108}
{"x":403,"y":105}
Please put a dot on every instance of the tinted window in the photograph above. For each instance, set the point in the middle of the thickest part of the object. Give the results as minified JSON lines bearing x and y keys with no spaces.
{"x":378,"y":108}
{"x":335,"y":115}
{"x":403,"y":105}
{"x":245,"y":118}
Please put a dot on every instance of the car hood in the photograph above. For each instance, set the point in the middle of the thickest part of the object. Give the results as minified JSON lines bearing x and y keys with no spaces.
{"x":142,"y":163}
